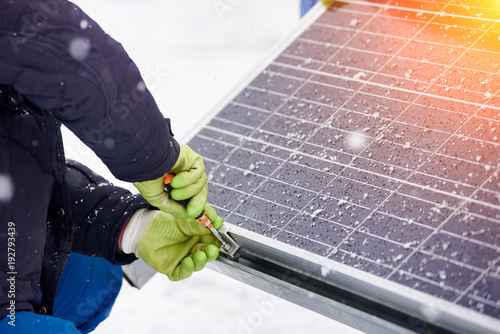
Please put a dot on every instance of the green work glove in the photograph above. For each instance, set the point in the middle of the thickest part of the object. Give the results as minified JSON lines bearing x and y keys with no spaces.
{"x":189,"y":182}
{"x":172,"y":246}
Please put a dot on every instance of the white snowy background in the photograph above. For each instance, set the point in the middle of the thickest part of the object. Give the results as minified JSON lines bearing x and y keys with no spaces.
{"x":191,"y":54}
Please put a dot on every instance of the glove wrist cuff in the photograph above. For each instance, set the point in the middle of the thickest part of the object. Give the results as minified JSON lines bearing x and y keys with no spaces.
{"x":134,"y":229}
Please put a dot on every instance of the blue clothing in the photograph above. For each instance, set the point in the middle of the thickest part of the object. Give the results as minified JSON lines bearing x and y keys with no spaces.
{"x":305,"y":5}
{"x":29,"y":322}
{"x":86,"y":293}
{"x":58,"y":66}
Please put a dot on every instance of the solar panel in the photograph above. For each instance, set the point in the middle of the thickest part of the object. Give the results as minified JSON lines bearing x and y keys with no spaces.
{"x":372,"y":140}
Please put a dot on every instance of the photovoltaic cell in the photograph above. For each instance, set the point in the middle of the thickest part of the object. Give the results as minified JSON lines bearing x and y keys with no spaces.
{"x":373,"y":140}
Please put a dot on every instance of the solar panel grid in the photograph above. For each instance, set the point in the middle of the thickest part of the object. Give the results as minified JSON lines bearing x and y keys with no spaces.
{"x":372,"y":140}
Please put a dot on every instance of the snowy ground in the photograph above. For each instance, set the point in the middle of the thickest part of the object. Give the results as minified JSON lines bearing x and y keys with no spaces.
{"x":191,"y":56}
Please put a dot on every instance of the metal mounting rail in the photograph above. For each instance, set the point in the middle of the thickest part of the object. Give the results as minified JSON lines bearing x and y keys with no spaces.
{"x":353,"y":297}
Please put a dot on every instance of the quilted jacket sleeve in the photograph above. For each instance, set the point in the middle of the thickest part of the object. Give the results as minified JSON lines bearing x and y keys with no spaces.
{"x":100,"y":210}
{"x":62,"y":61}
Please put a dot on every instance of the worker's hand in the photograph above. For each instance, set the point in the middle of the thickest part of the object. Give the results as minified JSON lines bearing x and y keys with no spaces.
{"x":189,"y":182}
{"x":172,"y":246}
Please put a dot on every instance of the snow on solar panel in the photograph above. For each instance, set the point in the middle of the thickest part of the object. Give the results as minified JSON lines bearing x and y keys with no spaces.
{"x":373,"y":141}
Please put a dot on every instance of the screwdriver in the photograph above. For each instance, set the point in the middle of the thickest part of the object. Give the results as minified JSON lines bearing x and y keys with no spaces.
{"x":202,"y":217}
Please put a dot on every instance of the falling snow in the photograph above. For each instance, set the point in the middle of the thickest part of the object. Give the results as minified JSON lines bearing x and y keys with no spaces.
{"x":356,"y":141}
{"x":6,"y":188}
{"x":84,"y":24}
{"x":79,"y":48}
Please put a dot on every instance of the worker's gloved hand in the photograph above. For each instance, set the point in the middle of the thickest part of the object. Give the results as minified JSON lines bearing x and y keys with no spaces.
{"x":172,"y":246}
{"x":189,"y":182}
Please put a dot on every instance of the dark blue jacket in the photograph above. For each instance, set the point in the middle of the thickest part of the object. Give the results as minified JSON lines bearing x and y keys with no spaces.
{"x":58,"y":66}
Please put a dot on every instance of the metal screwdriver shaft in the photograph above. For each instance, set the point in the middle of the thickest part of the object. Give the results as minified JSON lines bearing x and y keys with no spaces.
{"x":202,"y":217}
{"x":225,"y":245}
